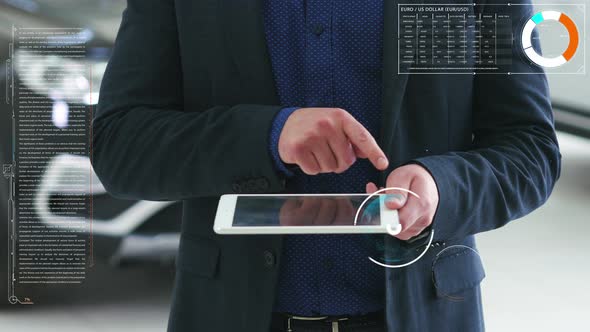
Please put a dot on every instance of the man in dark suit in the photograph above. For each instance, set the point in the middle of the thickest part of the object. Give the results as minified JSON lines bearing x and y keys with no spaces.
{"x":203,"y":98}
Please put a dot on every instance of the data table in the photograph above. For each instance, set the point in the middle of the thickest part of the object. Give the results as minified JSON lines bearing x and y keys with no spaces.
{"x":453,"y":37}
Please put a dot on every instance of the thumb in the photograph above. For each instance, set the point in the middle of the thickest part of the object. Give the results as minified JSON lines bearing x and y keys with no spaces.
{"x":396,"y":199}
{"x":371,"y":188}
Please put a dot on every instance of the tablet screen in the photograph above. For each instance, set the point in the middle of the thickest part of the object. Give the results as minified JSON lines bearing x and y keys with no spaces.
{"x":305,"y":211}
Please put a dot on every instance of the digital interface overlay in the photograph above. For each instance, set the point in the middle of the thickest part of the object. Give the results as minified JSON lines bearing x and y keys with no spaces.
{"x":485,"y":39}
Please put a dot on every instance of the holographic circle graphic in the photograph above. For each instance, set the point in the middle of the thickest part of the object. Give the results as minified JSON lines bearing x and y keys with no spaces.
{"x":527,"y":34}
{"x":394,"y":231}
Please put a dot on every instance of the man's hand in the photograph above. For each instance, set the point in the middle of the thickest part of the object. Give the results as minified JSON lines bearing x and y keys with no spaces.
{"x":325,"y":140}
{"x":415,"y":214}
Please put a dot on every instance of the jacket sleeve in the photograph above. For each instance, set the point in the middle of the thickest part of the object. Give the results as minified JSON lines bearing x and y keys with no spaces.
{"x":515,"y":161}
{"x":147,"y":146}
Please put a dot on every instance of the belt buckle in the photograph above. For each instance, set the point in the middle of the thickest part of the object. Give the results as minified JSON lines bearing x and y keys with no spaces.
{"x":291,"y":317}
{"x":335,"y":323}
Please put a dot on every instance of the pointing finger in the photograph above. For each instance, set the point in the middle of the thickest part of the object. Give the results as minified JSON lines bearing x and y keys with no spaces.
{"x":363,"y":142}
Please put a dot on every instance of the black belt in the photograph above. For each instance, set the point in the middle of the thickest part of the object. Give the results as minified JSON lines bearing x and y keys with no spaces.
{"x":371,"y":322}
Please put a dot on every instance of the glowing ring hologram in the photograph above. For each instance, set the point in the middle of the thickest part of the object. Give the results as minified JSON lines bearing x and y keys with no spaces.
{"x":398,"y":229}
{"x":527,"y":34}
{"x":409,"y":263}
{"x":378,"y":191}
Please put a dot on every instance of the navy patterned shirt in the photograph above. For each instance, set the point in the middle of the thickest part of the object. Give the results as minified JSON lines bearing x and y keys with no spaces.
{"x":327,"y":53}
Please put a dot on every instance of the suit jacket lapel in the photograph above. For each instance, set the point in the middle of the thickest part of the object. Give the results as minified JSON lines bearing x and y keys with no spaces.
{"x":393,"y":83}
{"x":244,"y":34}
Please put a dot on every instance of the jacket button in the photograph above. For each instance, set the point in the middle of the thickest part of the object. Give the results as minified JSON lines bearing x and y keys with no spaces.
{"x":263,"y":183}
{"x":247,"y":186}
{"x":269,"y":259}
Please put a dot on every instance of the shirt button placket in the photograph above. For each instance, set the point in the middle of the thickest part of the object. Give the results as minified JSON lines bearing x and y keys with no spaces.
{"x":318,"y":54}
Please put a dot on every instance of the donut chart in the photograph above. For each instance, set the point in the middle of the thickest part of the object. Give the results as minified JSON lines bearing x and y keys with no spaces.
{"x":527,"y":34}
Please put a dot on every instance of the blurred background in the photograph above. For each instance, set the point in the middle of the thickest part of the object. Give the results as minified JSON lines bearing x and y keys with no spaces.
{"x":130,"y":285}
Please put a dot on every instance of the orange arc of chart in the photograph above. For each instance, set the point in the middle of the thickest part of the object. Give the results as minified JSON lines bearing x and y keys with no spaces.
{"x":574,"y":36}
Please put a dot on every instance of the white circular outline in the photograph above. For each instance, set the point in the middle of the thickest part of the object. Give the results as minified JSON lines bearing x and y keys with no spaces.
{"x":411,"y":262}
{"x":397,"y":230}
{"x":375,"y":193}
{"x":526,"y":37}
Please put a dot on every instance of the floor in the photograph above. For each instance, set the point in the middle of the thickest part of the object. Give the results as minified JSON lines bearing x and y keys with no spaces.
{"x":537,"y":274}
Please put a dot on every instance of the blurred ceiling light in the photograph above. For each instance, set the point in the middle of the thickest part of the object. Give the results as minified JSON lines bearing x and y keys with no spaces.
{"x":91,"y":98}
{"x":59,"y":114}
{"x":82,"y":83}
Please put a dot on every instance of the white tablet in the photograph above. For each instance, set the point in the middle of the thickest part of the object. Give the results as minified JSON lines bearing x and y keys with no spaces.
{"x":305,"y":214}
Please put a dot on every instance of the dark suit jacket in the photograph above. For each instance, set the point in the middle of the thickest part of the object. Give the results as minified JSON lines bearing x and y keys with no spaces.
{"x":185,"y":110}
